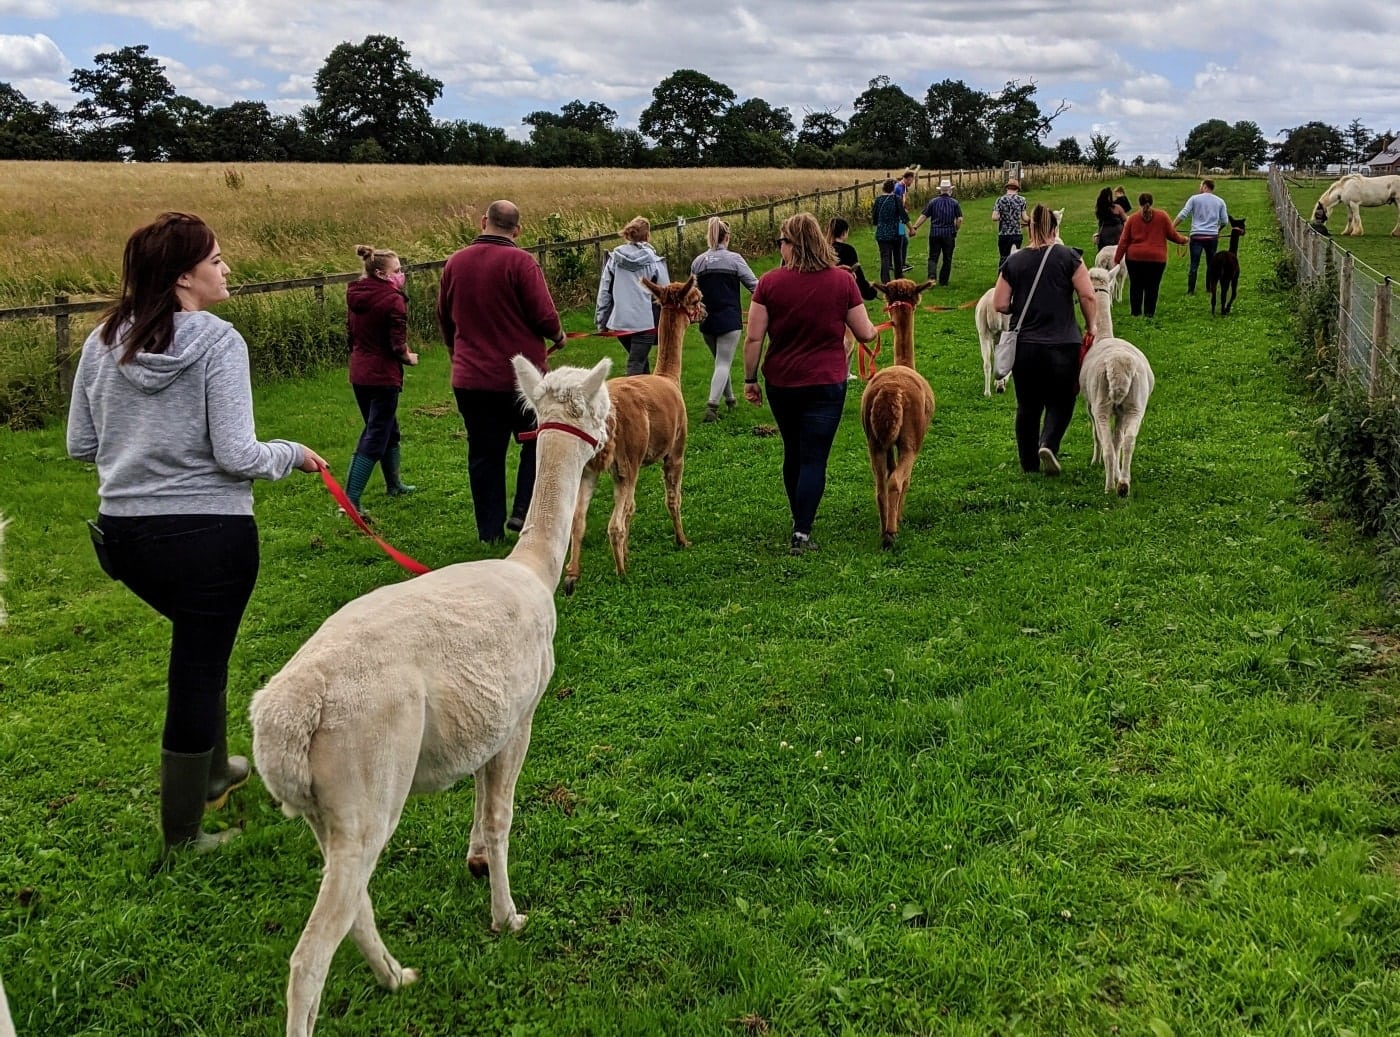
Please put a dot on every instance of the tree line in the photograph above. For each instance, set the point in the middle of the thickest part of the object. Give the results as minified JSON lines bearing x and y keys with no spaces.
{"x":373,"y":105}
{"x":1218,"y":144}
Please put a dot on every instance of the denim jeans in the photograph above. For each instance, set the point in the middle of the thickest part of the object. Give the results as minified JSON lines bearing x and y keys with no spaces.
{"x":889,"y":260}
{"x":1200,"y":246}
{"x":491,"y":418}
{"x":198,"y":571}
{"x":379,"y":406}
{"x":807,"y":418}
{"x":1046,"y":380}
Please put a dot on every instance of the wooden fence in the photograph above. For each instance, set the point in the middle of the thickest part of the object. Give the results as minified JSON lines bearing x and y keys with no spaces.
{"x":852,"y":201}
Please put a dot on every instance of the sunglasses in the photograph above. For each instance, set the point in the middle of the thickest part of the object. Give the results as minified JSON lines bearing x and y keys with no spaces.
{"x":783,"y":241}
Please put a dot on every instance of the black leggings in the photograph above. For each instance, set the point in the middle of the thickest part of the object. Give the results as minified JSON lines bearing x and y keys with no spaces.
{"x":1046,"y":380}
{"x":197,"y":571}
{"x":807,"y":418}
{"x":1144,"y":279}
{"x":379,"y":406}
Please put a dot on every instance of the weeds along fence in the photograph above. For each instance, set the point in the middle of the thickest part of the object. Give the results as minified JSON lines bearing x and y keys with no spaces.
{"x":296,"y":325}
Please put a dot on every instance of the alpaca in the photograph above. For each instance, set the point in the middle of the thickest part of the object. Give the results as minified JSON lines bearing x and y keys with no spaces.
{"x":895,"y":410}
{"x":1224,"y":270}
{"x":648,"y":423}
{"x":417,"y":684}
{"x":990,"y":324}
{"x":1354,"y":191}
{"x":3,"y":523}
{"x":1116,"y":381}
{"x":7,"y":1026}
{"x":1104,"y":260}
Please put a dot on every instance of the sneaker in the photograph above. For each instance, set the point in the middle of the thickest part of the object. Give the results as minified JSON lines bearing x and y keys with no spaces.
{"x":730,"y":403}
{"x":852,"y":377}
{"x":1049,"y":463}
{"x":515,"y":524}
{"x":711,"y":412}
{"x":801,"y":544}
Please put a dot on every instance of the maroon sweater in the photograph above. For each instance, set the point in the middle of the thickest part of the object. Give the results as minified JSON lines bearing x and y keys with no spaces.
{"x":806,"y":325}
{"x":493,"y":303}
{"x":377,"y":326}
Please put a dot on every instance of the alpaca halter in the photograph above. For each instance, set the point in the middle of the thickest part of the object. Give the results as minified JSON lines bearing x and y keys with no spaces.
{"x":573,"y":430}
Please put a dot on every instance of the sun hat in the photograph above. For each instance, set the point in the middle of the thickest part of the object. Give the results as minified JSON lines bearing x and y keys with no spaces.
{"x":1013,"y":182}
{"x":945,"y":184}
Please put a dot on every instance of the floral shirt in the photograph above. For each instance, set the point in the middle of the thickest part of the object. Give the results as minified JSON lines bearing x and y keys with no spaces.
{"x":1010,"y":209}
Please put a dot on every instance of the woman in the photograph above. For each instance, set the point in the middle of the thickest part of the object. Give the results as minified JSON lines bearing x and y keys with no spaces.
{"x":837,"y":230}
{"x":1144,"y":245}
{"x":623,"y":304}
{"x":804,"y":307}
{"x":1046,"y":372}
{"x":1110,"y":218}
{"x":376,"y":324}
{"x":888,"y":214}
{"x":161,"y":402}
{"x":719,"y":273}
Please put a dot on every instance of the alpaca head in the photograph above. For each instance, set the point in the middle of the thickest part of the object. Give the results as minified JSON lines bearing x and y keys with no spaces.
{"x":679,"y":295}
{"x":575,"y":396}
{"x":1238,"y":224}
{"x":1103,"y":280}
{"x":901,"y":289}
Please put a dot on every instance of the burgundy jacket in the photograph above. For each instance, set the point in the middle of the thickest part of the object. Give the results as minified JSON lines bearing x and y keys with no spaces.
{"x":376,"y":324}
{"x":493,"y":303}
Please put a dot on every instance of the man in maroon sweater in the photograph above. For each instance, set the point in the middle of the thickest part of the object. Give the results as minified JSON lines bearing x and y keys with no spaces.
{"x":493,"y":303}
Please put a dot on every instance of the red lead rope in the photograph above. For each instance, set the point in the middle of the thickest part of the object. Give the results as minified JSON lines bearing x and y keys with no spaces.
{"x":416,"y":568}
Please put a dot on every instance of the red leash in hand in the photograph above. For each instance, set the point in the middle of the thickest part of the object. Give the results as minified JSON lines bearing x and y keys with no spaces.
{"x":416,"y":568}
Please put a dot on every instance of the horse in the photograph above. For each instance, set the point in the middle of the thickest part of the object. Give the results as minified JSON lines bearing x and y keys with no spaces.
{"x":1355,"y":191}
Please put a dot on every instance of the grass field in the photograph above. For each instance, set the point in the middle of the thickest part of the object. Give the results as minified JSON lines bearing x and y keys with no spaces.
{"x":1058,"y":764}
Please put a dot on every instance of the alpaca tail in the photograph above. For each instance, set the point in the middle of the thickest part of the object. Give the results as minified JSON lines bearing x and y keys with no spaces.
{"x":1119,"y":372}
{"x":882,"y":415}
{"x":285,"y":716}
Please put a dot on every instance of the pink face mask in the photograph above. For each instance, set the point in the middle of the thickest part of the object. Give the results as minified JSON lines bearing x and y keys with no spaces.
{"x":397,"y":278}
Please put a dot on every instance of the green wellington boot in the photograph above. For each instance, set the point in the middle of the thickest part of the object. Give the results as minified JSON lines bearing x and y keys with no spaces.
{"x":393,"y":483}
{"x":184,"y":779}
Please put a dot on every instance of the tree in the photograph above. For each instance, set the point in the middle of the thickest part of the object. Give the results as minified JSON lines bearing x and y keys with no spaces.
{"x":957,"y":119}
{"x":820,"y":130}
{"x":246,"y":131}
{"x":370,"y":92}
{"x":753,"y":133}
{"x":888,"y":125}
{"x":475,"y":144}
{"x":1216,"y":144}
{"x":1017,"y":123}
{"x":1357,"y":138}
{"x":685,"y":113}
{"x":126,"y":103}
{"x":577,"y":135}
{"x":1102,"y":152}
{"x":29,"y":130}
{"x":1312,"y":144}
{"x":1069,"y":152}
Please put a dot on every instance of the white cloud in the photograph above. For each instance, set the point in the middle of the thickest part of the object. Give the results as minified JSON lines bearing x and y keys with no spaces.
{"x":28,"y":9}
{"x":30,"y":56}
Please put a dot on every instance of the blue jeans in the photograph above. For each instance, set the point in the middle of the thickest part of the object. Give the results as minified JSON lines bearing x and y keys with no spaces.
{"x":1200,"y":245}
{"x":490,"y":418}
{"x":379,"y":406}
{"x":807,"y":418}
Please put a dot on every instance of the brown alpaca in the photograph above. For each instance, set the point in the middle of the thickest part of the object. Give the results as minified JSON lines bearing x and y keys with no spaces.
{"x":895,"y":410}
{"x":647,"y":424}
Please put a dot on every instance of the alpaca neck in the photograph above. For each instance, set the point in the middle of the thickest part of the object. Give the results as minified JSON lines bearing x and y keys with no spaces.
{"x":1103,"y":314}
{"x":670,"y":335}
{"x":1234,"y":241}
{"x":902,"y":317}
{"x":545,"y":539}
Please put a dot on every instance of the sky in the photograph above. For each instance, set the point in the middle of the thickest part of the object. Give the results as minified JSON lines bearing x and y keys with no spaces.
{"x":1142,"y":73}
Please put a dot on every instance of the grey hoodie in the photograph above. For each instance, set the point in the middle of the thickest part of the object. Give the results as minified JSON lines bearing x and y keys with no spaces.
{"x":623,"y":304}
{"x":172,"y":433}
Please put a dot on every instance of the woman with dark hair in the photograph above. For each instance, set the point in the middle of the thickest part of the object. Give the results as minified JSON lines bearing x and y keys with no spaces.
{"x":376,"y":323}
{"x":1144,"y":246}
{"x":162,"y":403}
{"x":1110,"y":218}
{"x":888,"y":214}
{"x":804,"y":308}
{"x":1037,"y":286}
{"x":718,"y":273}
{"x":837,"y":230}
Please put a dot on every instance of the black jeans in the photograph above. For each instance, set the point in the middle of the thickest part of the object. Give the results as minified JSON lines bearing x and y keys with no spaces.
{"x":1200,"y":246}
{"x":807,"y":419}
{"x":1005,"y":242}
{"x":379,"y":406}
{"x":940,"y":247}
{"x":490,"y":418}
{"x":197,"y":571}
{"x":1046,"y":380}
{"x":1144,"y":281}
{"x":889,"y":260}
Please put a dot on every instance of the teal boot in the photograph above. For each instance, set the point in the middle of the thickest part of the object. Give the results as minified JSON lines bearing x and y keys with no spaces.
{"x":361,"y":468}
{"x":394,"y":485}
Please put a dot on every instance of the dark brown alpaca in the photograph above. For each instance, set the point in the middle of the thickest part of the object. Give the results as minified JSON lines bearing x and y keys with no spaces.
{"x":1224,"y":270}
{"x":895,"y":410}
{"x":647,"y":424}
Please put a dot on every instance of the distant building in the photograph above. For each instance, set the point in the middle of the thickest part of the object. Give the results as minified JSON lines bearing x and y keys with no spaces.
{"x":1388,"y":161}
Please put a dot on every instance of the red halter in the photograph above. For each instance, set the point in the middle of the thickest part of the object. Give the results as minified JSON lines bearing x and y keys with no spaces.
{"x":572,"y":430}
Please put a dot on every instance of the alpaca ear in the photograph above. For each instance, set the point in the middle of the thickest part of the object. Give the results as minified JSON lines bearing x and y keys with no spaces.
{"x":651,"y":286}
{"x":921,"y":288}
{"x":883,"y":289}
{"x":689,"y":284}
{"x":527,"y":377}
{"x":597,"y":376}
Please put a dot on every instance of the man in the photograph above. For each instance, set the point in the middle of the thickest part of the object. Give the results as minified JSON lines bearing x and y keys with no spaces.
{"x":493,"y":303}
{"x":944,"y":216}
{"x":901,"y":194}
{"x":1208,"y":218}
{"x":1009,"y":214}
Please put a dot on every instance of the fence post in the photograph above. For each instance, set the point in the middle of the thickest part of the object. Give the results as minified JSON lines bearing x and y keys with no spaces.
{"x":680,"y":236}
{"x":63,"y":368}
{"x":1380,"y":332}
{"x":1343,"y":312}
{"x":855,"y":196}
{"x":771,"y":219}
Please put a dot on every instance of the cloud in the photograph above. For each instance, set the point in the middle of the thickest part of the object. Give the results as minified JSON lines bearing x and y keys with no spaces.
{"x":28,"y":9}
{"x":24,"y":57}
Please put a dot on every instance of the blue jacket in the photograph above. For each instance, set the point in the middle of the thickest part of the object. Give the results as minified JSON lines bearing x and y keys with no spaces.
{"x":623,"y":304}
{"x":719,"y":273}
{"x":888,"y":215}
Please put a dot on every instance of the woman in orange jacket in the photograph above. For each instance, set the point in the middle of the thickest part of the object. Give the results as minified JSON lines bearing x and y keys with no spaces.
{"x":1144,"y":244}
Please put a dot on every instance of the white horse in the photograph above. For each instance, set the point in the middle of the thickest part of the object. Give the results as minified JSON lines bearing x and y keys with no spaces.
{"x":1354,"y":191}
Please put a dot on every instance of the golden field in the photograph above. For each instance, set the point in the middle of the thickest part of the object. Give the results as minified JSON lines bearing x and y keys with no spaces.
{"x":63,"y":224}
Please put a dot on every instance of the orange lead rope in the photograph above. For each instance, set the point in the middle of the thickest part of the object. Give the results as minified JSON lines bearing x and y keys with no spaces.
{"x":416,"y":568}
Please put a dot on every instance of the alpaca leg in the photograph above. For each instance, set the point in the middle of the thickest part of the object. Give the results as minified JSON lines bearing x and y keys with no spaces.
{"x":1103,"y":437}
{"x":624,"y":506}
{"x":586,"y":487}
{"x":986,"y":342}
{"x":1127,"y":434}
{"x":672,"y":468}
{"x":477,"y":863}
{"x":879,"y":469}
{"x":899,"y":484}
{"x":497,"y":789}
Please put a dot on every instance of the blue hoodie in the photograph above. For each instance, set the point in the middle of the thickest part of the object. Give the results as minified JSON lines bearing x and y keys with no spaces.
{"x":623,"y":304}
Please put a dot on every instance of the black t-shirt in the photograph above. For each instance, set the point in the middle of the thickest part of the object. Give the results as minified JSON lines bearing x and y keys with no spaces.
{"x":1050,"y":317}
{"x":846,"y":255}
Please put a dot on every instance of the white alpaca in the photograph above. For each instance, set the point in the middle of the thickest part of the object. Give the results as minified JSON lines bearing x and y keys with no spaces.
{"x":1104,"y":261}
{"x":7,"y":1026}
{"x":3,"y":619}
{"x":418,"y":684}
{"x":990,"y":324}
{"x":1116,"y":381}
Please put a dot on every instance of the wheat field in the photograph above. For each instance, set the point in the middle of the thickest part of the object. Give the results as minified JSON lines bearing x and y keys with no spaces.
{"x":68,"y":220}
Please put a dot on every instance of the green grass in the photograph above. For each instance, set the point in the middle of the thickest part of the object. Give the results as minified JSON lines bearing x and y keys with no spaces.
{"x":1058,"y":764}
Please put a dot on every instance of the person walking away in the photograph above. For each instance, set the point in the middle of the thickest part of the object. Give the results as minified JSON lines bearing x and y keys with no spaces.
{"x":623,"y":304}
{"x":376,"y":325}
{"x":718,"y":273}
{"x":1110,"y":219}
{"x":492,"y":304}
{"x":162,"y":404}
{"x":1009,"y":214}
{"x":902,"y":191}
{"x":1143,"y":245}
{"x":804,"y":308}
{"x":837,"y":230}
{"x":888,"y":216}
{"x":944,"y":216}
{"x":1209,"y":219}
{"x":1046,"y":372}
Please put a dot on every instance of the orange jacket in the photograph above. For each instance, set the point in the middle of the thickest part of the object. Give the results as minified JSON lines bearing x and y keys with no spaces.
{"x":1147,"y":241}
